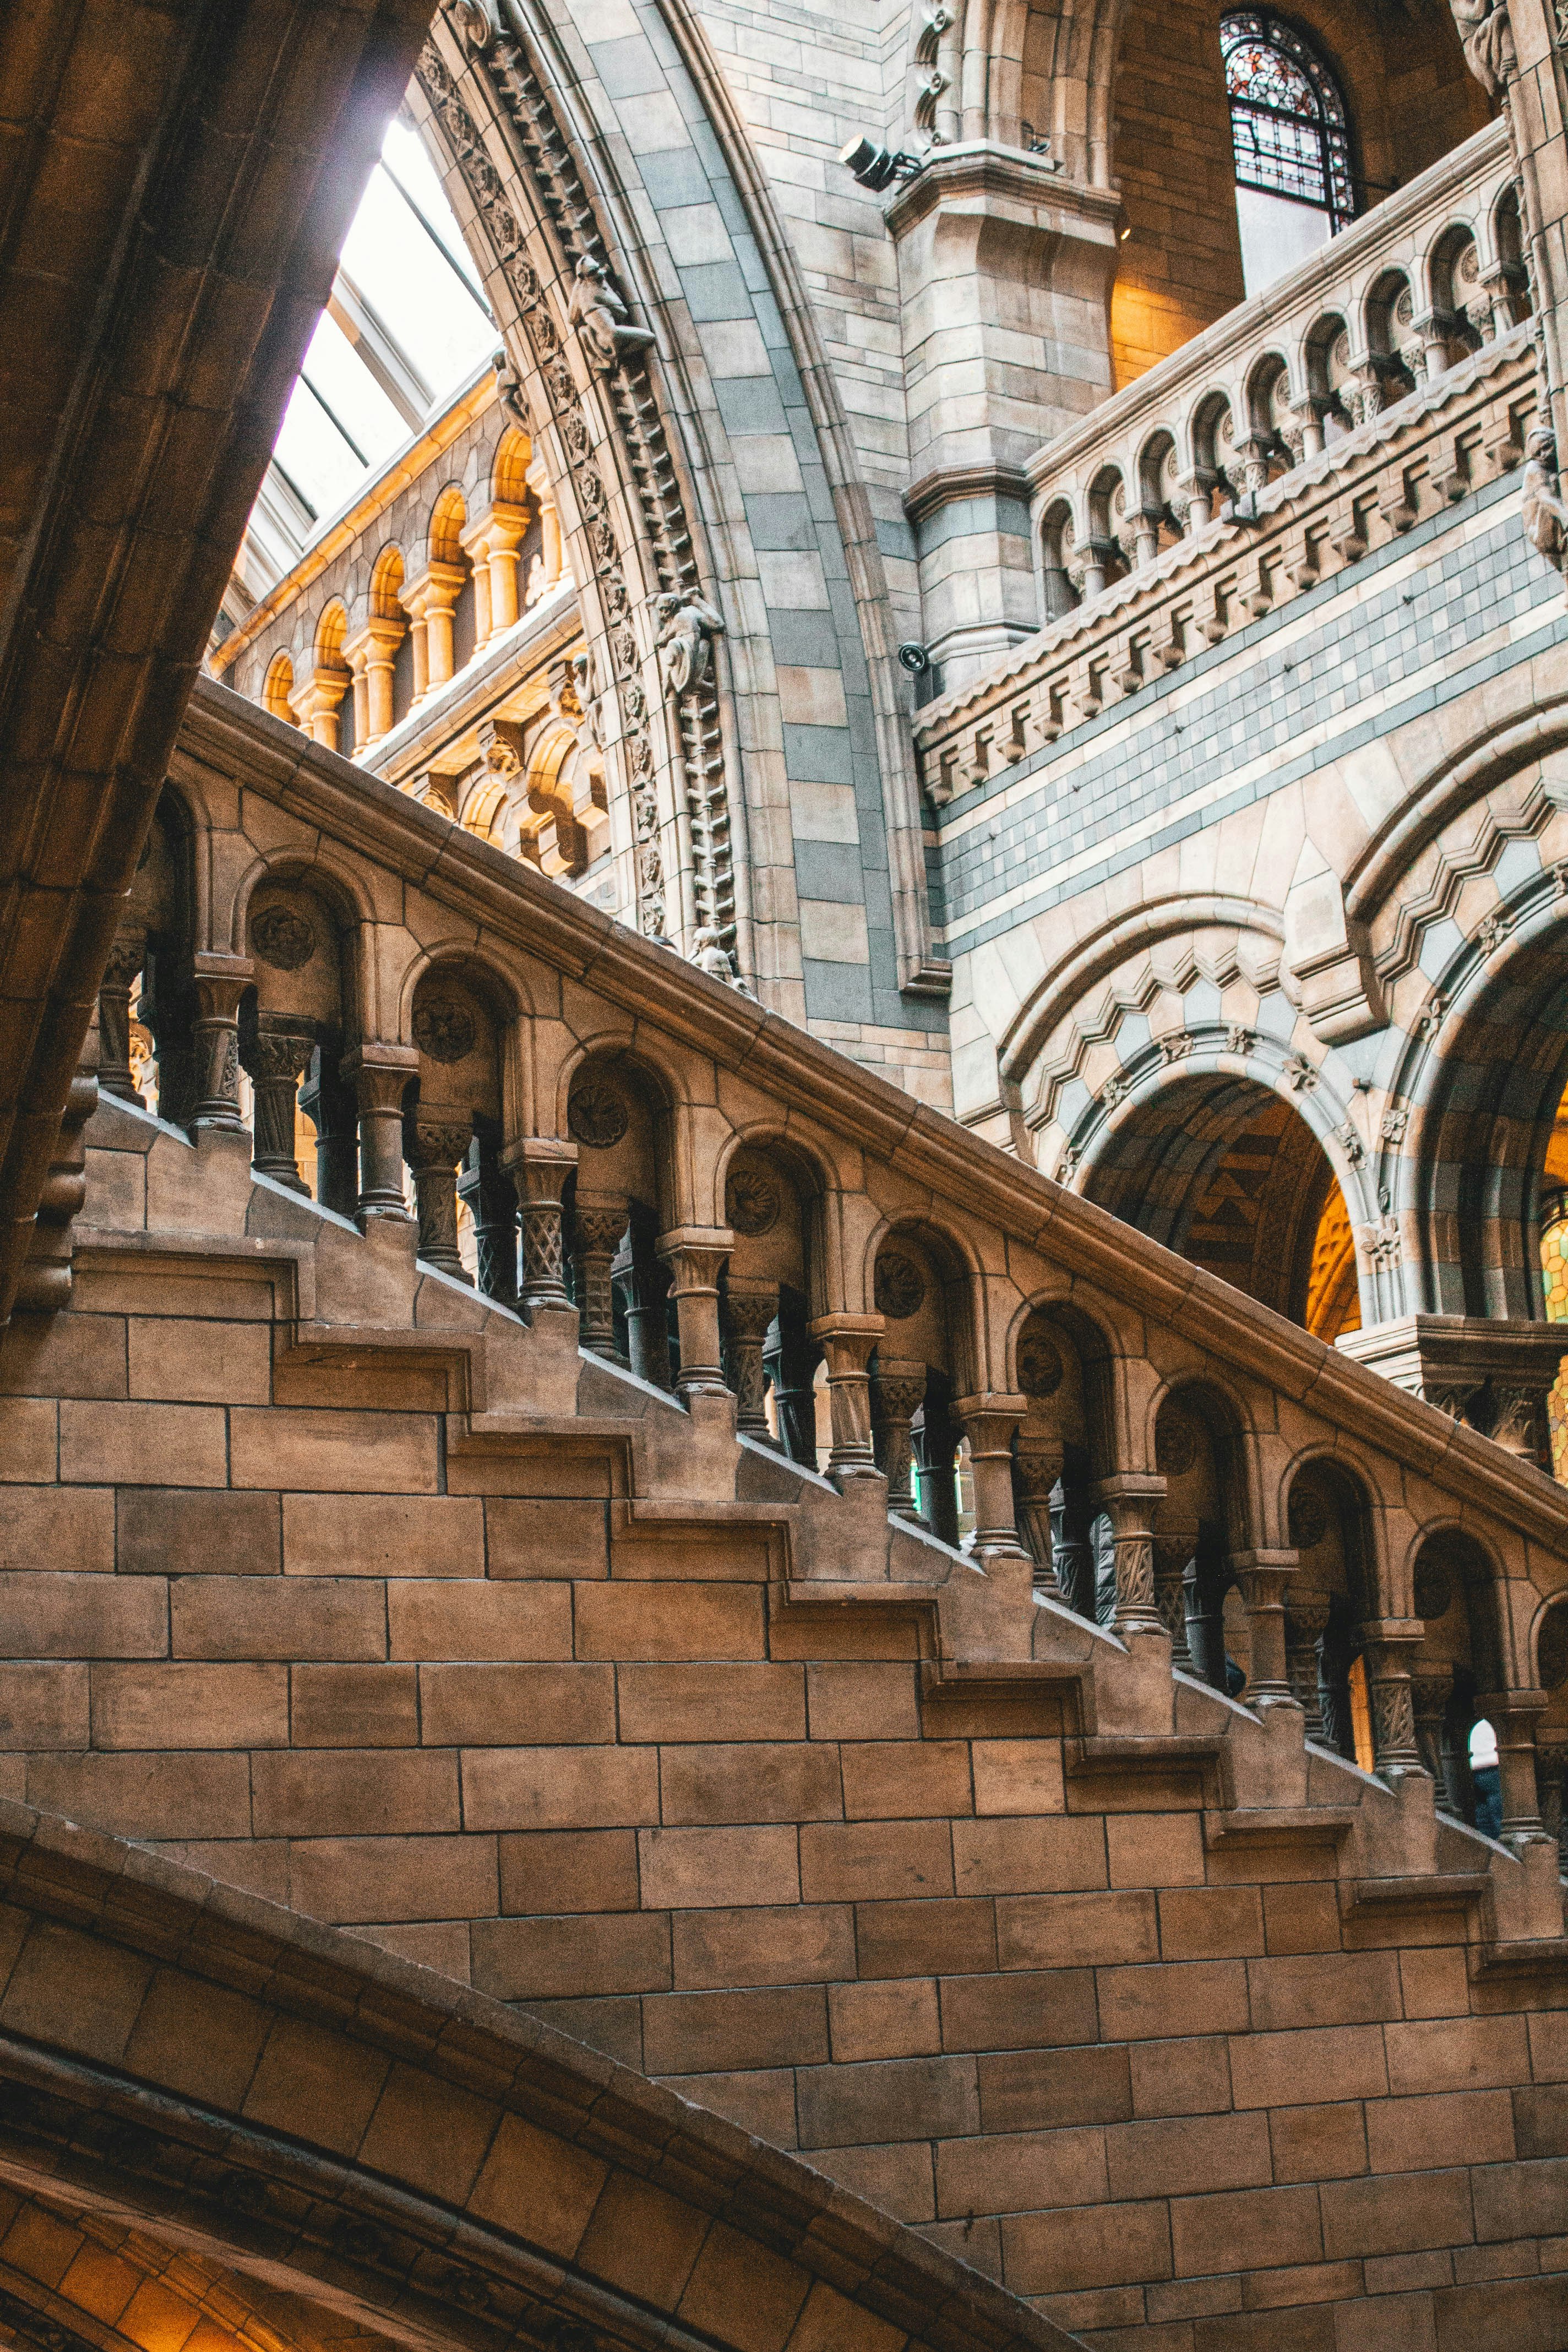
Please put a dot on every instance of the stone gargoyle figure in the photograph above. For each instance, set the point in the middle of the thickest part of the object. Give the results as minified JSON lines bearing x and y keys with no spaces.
{"x":686,"y":627}
{"x":1541,"y":511}
{"x":1488,"y":39}
{"x":599,"y":317}
{"x":710,"y":954}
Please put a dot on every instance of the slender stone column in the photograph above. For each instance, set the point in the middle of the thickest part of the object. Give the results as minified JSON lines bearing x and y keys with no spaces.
{"x":695,"y":1255}
{"x":492,"y":1204}
{"x":752,"y":1307}
{"x":1512,"y":1716}
{"x":1035,"y":1471}
{"x":380,"y":1076}
{"x":332,"y":1110}
{"x":936,"y":1447}
{"x":316,"y":704}
{"x":1430,"y":1688}
{"x":1072,"y":1519}
{"x":1389,"y":1646}
{"x":371,"y":655}
{"x":433,"y":1149}
{"x":492,"y":543}
{"x":220,"y":983}
{"x":791,"y":1367}
{"x":599,"y":1220}
{"x":990,"y":1422}
{"x":1264,"y":1578}
{"x":848,"y":1342}
{"x":277,"y":1057}
{"x":898,"y":1392}
{"x":1173,"y":1557}
{"x":1128,"y":1500}
{"x":1306,"y":1622}
{"x":648,"y":1310}
{"x":431,"y":601}
{"x":126,"y":958}
{"x":539,"y":1167}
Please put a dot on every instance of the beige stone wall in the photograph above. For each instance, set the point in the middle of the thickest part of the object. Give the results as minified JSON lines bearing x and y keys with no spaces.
{"x":1180,"y":265}
{"x":272,"y":1609}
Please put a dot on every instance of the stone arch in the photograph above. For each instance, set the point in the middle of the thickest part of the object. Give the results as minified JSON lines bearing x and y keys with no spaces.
{"x":509,"y":467}
{"x":546,"y":188}
{"x":1044,"y":64}
{"x":236,"y":2059}
{"x":278,"y":688}
{"x":1227,"y":1172}
{"x":1485,"y":1073}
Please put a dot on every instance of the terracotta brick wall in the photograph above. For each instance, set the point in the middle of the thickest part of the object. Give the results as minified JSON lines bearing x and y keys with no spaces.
{"x":283,"y":1614}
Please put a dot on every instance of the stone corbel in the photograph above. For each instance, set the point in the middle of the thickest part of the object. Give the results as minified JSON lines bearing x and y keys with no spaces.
{"x":1331,"y":960}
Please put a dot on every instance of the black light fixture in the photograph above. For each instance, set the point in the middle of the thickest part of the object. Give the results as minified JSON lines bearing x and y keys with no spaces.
{"x":877,"y":167}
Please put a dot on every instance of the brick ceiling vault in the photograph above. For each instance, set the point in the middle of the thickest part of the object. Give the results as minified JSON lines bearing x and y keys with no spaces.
{"x":174,"y":186}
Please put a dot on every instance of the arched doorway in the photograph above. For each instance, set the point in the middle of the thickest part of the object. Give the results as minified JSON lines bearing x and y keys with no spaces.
{"x":1230,"y":1174}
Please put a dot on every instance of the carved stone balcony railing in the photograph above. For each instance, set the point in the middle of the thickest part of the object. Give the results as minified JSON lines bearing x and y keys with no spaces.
{"x":751,"y":1218}
{"x":1458,"y":429}
{"x":1382,"y":311}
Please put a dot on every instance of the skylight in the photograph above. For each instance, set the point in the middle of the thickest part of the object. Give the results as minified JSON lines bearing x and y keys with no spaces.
{"x":407,"y":325}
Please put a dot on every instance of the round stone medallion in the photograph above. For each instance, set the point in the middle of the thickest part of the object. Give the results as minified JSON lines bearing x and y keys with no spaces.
{"x":751,"y":1201}
{"x":900,"y":1289}
{"x":597,"y":1113}
{"x":282,"y":938}
{"x":444,"y":1029}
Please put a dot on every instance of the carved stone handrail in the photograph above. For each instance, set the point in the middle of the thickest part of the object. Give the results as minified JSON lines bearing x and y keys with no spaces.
{"x":1390,"y":303}
{"x":518,"y":918}
{"x":1449,"y":436}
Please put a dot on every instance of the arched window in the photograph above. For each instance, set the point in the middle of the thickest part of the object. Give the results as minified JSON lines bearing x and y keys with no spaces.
{"x":1293,"y":185}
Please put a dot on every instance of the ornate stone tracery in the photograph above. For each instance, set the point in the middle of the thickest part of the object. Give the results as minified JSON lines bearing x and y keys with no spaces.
{"x":620,"y":392}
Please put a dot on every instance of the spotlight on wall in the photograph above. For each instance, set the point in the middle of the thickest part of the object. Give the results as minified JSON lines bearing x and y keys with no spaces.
{"x":877,"y":167}
{"x":914,"y":658}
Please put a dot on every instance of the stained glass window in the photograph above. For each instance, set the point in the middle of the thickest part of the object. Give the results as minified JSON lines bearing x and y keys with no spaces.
{"x":1286,"y":117}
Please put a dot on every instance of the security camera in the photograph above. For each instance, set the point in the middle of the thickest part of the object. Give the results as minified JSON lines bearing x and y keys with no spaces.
{"x":877,"y":167}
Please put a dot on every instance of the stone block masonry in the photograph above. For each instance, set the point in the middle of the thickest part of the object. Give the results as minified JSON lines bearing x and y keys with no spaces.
{"x":1094,"y":2014}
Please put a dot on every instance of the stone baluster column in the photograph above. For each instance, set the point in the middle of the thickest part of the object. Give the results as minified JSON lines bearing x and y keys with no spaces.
{"x":492,"y":545}
{"x":1265,"y":1578}
{"x":647,"y":1291}
{"x":1128,"y":1500}
{"x":936,"y":1451}
{"x":1335,"y":1692}
{"x":792,"y":1368}
{"x":1146,"y":521}
{"x":598,"y":1220}
{"x":1512,"y":1716}
{"x":1388,"y":1647}
{"x":430,"y":601}
{"x":126,"y":958}
{"x":379,"y":1075}
{"x":371,"y":655}
{"x":1430,"y":1688}
{"x":990,"y":1422}
{"x":695,"y":1255}
{"x":1308,"y":416}
{"x":220,"y":982}
{"x":848,"y":1342}
{"x":1072,"y":1547}
{"x":433,"y":1147}
{"x":1306,"y":1622}
{"x":492,"y":1204}
{"x":276,"y":1056}
{"x":1036,"y":1470}
{"x":330,"y":1107}
{"x":1191,"y":500}
{"x":1173,"y":1557}
{"x":316,"y":702}
{"x":538,"y":1167}
{"x":898,"y":1392}
{"x":753,"y":1306}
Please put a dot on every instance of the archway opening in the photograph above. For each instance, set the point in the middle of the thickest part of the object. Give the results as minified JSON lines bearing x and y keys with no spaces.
{"x":1230,"y":1175}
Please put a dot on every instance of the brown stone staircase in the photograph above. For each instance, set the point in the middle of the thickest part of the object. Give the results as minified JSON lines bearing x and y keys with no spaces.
{"x":349,"y":1585}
